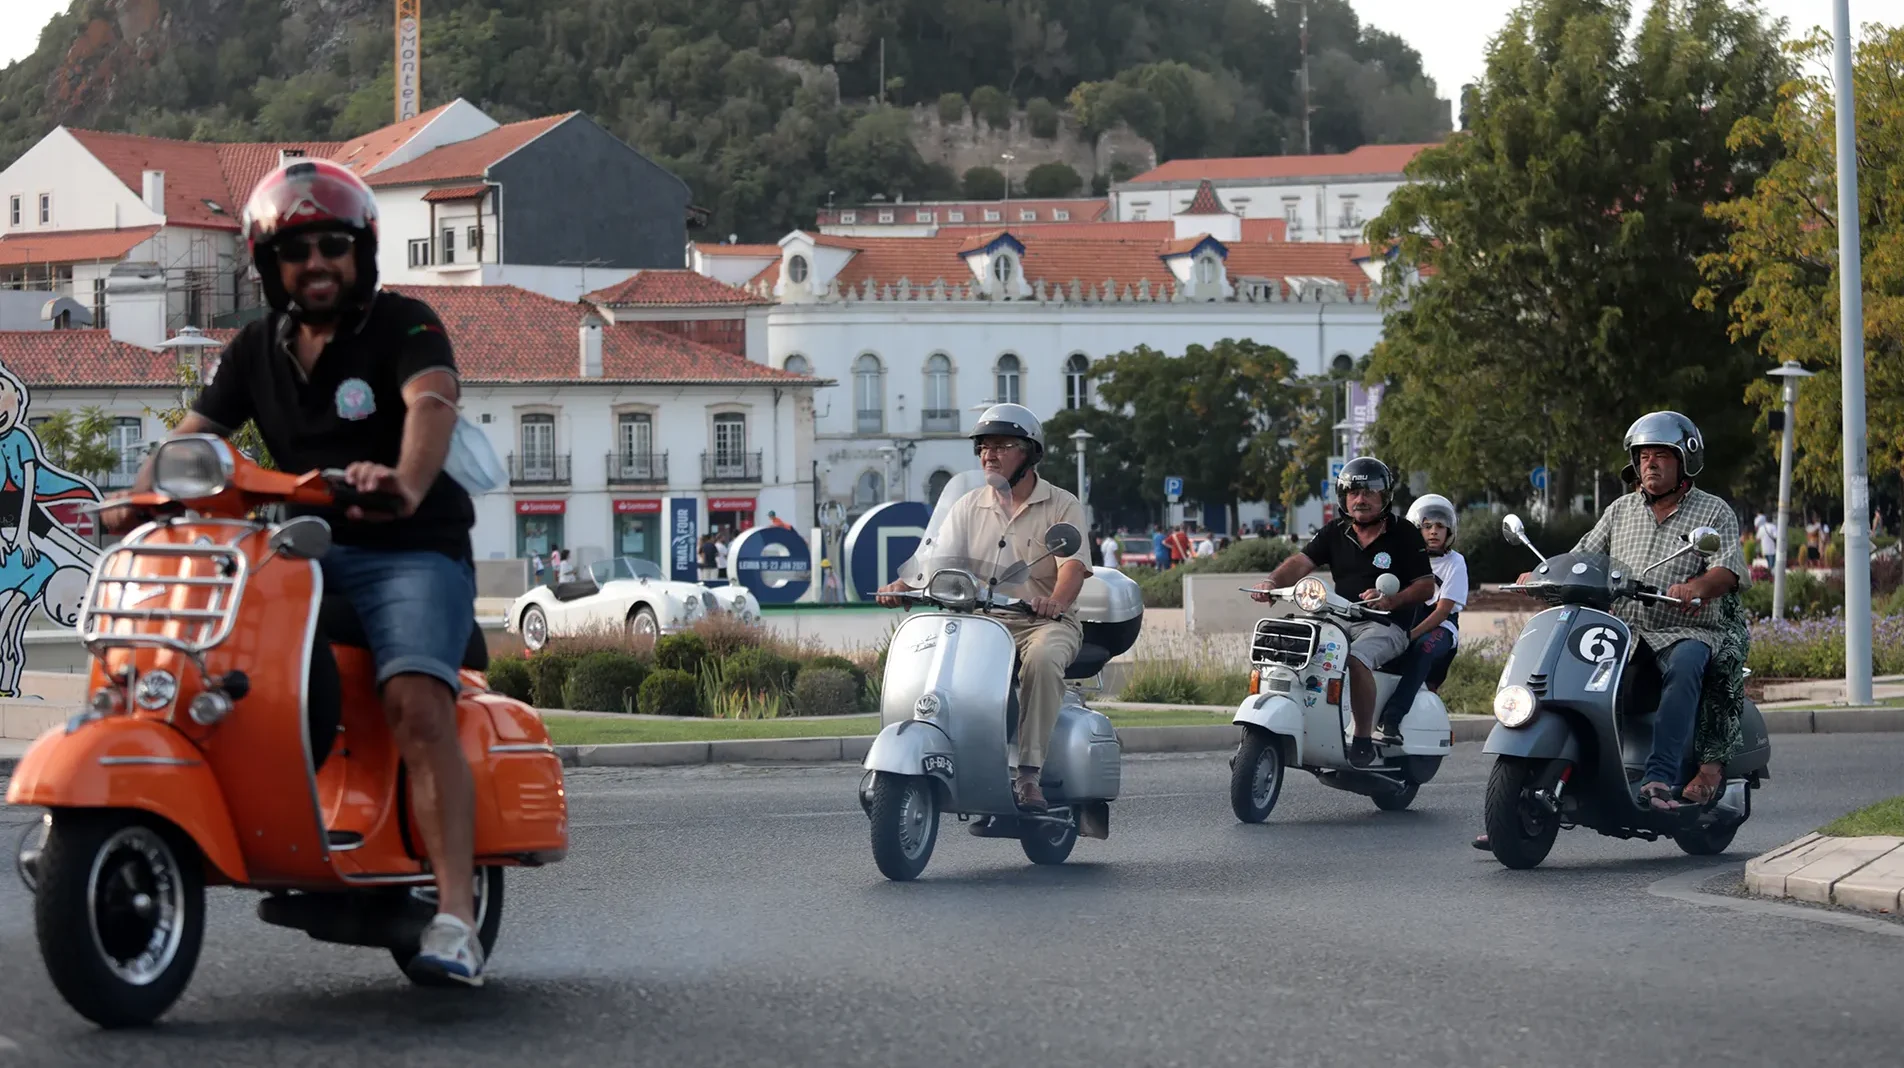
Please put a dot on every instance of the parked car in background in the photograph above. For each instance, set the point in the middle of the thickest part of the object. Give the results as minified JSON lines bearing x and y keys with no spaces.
{"x":1134,"y":551}
{"x":622,"y":591}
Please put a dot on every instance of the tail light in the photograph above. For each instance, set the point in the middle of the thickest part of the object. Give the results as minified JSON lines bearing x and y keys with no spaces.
{"x":1256,"y":682}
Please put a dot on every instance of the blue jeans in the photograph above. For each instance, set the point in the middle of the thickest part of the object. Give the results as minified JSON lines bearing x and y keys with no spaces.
{"x":1682,"y":668}
{"x":1432,"y":649}
{"x":417,"y":607}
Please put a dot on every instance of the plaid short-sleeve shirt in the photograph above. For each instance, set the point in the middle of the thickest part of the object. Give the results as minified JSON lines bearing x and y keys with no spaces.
{"x":1630,"y":533}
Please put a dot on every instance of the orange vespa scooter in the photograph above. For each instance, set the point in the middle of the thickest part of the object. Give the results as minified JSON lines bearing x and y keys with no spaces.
{"x":234,"y":736}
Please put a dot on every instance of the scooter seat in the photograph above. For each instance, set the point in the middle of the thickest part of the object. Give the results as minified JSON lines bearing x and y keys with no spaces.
{"x":338,"y":622}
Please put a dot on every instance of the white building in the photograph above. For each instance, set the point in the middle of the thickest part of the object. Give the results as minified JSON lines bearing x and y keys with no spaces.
{"x":921,"y":332}
{"x":1317,"y":198}
{"x":602,"y":410}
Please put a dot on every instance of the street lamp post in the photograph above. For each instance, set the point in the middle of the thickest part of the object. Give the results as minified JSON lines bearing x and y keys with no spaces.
{"x":191,"y":338}
{"x":1078,"y":438}
{"x":1008,"y":158}
{"x":1857,"y":487}
{"x":1790,"y":372}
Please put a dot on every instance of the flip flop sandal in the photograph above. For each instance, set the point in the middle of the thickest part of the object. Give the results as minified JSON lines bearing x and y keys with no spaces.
{"x":1698,"y":792}
{"x":1658,"y":796}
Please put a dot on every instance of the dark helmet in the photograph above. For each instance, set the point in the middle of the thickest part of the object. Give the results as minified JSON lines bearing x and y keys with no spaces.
{"x":1672,"y":430}
{"x":305,"y":195}
{"x":1367,"y":473}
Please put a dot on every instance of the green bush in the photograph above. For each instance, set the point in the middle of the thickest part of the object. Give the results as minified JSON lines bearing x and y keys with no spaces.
{"x":1492,"y":558}
{"x":669,"y":692}
{"x":1042,"y":116}
{"x":1806,"y":597}
{"x":1185,"y":681}
{"x":549,"y":672}
{"x":603,"y":682}
{"x":984,"y":183}
{"x":838,"y":663}
{"x":760,"y":671}
{"x":951,"y":108}
{"x":681,"y":652}
{"x":993,"y":105}
{"x":509,"y":676}
{"x":825,"y":691}
{"x":1473,"y":676}
{"x":1053,"y":180}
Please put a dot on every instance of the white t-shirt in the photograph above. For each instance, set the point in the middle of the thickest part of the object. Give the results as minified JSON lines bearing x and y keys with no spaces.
{"x":1109,"y":548}
{"x":720,"y":555}
{"x":1206,"y":547}
{"x":1768,"y":538}
{"x":1451,"y":583}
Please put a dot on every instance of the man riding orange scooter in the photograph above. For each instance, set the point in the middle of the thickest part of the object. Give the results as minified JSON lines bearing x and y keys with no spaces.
{"x":344,"y":376}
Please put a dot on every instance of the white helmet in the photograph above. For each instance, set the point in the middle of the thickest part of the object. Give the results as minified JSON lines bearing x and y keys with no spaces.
{"x":1436,"y":507}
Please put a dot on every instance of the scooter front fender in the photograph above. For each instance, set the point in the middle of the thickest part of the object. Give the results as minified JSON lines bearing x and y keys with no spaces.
{"x":902,"y":749}
{"x":1275,"y":713}
{"x":131,"y":763}
{"x":1547,"y":736}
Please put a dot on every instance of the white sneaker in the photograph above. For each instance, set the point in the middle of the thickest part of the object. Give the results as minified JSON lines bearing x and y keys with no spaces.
{"x":449,"y":950}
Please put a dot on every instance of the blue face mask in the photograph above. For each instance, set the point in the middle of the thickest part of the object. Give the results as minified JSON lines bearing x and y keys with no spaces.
{"x":472,"y":460}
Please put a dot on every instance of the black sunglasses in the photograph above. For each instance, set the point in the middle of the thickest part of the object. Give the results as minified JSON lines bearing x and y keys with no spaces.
{"x":330,"y":246}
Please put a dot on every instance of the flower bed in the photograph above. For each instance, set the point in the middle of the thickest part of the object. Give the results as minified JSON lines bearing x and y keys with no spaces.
{"x":1815,"y":648}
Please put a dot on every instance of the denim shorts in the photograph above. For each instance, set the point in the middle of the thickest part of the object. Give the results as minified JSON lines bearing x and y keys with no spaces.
{"x":417,"y":607}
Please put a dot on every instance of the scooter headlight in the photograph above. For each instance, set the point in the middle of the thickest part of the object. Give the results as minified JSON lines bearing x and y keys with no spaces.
{"x":192,"y":467}
{"x":1310,"y":594}
{"x":953,"y":589}
{"x":1513,"y":705}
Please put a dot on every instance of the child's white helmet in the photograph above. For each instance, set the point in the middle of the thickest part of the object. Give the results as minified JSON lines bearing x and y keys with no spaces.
{"x":1433,"y":506}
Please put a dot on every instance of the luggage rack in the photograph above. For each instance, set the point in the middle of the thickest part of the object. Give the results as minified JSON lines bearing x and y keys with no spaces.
{"x":101,"y":623}
{"x":1287,"y":642}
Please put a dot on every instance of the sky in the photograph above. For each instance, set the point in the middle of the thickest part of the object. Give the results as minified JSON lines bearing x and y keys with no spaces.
{"x":1451,"y":35}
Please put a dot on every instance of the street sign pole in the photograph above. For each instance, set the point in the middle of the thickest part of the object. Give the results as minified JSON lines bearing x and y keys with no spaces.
{"x":1857,"y":489}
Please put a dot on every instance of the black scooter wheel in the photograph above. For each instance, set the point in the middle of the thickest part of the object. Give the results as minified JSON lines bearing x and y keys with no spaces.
{"x":1256,"y":775}
{"x":1709,"y":842}
{"x":1519,"y":832}
{"x":905,"y":824}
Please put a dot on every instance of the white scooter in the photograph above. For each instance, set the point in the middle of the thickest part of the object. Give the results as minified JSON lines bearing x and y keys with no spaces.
{"x":1298,"y":711}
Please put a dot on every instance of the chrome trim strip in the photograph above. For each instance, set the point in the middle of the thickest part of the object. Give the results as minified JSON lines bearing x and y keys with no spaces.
{"x":170,"y":762}
{"x":524,"y":747}
{"x":304,"y":702}
{"x":424,"y":879}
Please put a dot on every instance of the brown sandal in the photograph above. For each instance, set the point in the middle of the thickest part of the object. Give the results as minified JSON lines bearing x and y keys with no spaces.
{"x":1705,"y":786}
{"x":1658,"y":795}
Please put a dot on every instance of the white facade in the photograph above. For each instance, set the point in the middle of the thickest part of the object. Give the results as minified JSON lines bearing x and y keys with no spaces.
{"x":82,"y":193}
{"x":1314,"y":210}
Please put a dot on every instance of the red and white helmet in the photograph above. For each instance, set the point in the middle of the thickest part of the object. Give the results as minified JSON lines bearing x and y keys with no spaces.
{"x":304,"y":195}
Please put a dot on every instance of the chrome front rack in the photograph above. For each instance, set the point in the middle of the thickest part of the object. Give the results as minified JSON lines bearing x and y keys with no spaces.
{"x":108,"y":622}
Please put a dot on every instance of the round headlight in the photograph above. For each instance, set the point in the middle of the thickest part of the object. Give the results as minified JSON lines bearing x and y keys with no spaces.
{"x":954,"y":589}
{"x":1513,"y":705}
{"x":1311,"y":594}
{"x":155,"y":690}
{"x":192,"y":467}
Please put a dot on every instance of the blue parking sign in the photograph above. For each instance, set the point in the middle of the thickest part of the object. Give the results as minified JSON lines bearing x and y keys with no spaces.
{"x":1173,"y":487}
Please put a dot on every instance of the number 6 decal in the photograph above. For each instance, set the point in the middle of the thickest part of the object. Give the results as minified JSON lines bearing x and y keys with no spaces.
{"x":1594,"y":644}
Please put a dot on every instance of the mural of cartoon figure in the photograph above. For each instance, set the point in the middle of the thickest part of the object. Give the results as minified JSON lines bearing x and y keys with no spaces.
{"x":42,"y":563}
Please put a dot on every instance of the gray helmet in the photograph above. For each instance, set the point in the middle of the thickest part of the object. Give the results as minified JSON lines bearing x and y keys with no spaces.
{"x":1672,"y":430}
{"x":1012,"y":421}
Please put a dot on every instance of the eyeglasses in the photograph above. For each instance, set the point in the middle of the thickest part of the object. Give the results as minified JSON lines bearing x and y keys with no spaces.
{"x":329,"y":246}
{"x":995,"y":449}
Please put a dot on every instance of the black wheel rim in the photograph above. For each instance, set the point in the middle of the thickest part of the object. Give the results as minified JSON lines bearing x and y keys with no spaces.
{"x":135,"y":896}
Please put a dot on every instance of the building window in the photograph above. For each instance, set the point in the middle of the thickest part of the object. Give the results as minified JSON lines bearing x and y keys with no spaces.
{"x":885,"y":216}
{"x":1060,"y":215}
{"x":420,"y":252}
{"x":797,"y":270}
{"x":924,"y":216}
{"x":474,"y":240}
{"x":1206,"y":270}
{"x":991,"y":216}
{"x":869,"y":394}
{"x":46,"y":209}
{"x":849,"y":216}
{"x":955,"y":216}
{"x":1292,"y":219}
{"x":869,"y":490}
{"x":128,"y":437}
{"x":538,"y":447}
{"x":13,"y":210}
{"x":1006,"y":380}
{"x":797,"y":365}
{"x":730,"y":441}
{"x":99,"y":304}
{"x":1027,"y":215}
{"x":940,"y":416}
{"x":1140,"y":213}
{"x":936,"y":484}
{"x":1077,"y":392}
{"x":449,"y":244}
{"x":1002,"y":269}
{"x":634,"y":440}
{"x":1351,"y":218}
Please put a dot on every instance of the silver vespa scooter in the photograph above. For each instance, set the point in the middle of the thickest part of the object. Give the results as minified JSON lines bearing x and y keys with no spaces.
{"x":949,"y":703}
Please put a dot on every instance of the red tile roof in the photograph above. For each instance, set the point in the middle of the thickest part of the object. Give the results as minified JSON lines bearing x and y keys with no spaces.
{"x":1205,"y":202}
{"x":456,"y":192}
{"x":470,"y":159}
{"x":1366,"y":160}
{"x":43,"y":358}
{"x":71,"y":246}
{"x":195,"y":171}
{"x":374,"y":147}
{"x":738,"y":250}
{"x":675,"y":288}
{"x":508,"y":334}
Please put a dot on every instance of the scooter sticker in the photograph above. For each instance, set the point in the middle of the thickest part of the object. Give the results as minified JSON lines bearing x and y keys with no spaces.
{"x":936,"y":762}
{"x":1312,"y":684}
{"x":1594,"y":644}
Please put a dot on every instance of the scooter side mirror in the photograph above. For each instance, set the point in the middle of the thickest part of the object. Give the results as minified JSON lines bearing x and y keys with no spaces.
{"x":1387,"y":584}
{"x":307,"y":537}
{"x":1063,"y":540}
{"x":1511,"y":528}
{"x":1705,"y":540}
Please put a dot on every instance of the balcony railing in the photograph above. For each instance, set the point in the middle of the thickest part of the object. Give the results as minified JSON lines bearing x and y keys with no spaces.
{"x":117,"y":478}
{"x":541,"y":469}
{"x":940,"y":421}
{"x":730,"y":467}
{"x":637,"y":468}
{"x":870,"y":421}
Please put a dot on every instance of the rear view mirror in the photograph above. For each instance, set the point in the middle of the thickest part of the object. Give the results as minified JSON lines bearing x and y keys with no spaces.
{"x":1511,"y":528}
{"x":1705,"y":540}
{"x":1387,"y":584}
{"x":1063,"y":540}
{"x":307,"y":537}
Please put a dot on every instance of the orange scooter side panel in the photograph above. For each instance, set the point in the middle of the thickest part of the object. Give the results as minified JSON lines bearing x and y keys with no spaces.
{"x":527,"y":797}
{"x":92,"y":768}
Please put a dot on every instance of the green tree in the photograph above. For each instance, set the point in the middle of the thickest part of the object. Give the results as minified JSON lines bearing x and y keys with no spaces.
{"x":1042,"y":116}
{"x":1112,"y":461}
{"x":991,"y":104}
{"x":1053,"y":180}
{"x":79,"y":441}
{"x":984,"y":183}
{"x":247,"y":439}
{"x":1778,"y":273}
{"x":1563,"y":230}
{"x":877,"y":155}
{"x":951,"y":108}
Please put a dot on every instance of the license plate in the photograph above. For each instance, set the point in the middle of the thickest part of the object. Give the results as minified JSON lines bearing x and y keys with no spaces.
{"x":937,"y":763}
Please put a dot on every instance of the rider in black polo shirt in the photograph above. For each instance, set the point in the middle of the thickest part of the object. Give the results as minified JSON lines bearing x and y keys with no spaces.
{"x":1367,"y":540}
{"x":342,"y":375}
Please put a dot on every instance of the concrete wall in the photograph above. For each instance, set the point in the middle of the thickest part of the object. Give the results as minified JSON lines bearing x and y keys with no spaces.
{"x":971,"y":142}
{"x":502,"y":578}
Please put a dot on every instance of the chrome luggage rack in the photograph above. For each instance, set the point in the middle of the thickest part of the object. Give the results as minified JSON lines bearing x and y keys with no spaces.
{"x":1287,"y":642}
{"x":104,"y":624}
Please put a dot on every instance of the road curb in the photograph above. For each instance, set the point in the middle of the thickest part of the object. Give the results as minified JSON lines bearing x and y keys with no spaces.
{"x":1861,"y":873}
{"x":1198,"y":738}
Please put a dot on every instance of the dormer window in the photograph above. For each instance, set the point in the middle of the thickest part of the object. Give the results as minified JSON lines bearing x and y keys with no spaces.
{"x":1061,"y":215}
{"x":797,"y":270}
{"x":849,"y":217}
{"x":885,"y":216}
{"x":1206,"y":270}
{"x":922,"y":215}
{"x":955,"y":216}
{"x":1027,"y":215}
{"x":1002,"y":269}
{"x":991,"y":215}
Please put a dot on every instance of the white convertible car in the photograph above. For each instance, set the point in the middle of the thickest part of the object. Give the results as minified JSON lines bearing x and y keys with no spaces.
{"x":622,"y":592}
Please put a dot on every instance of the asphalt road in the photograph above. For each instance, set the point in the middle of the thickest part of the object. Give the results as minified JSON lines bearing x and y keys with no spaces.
{"x":734,"y":917}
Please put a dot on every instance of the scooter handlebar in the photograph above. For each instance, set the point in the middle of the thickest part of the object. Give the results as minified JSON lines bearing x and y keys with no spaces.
{"x":344,"y":495}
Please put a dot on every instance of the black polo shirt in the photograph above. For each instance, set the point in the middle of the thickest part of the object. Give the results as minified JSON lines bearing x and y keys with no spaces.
{"x":349,"y":409}
{"x":1398,"y":550}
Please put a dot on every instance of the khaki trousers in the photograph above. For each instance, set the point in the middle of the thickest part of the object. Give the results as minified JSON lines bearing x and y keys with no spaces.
{"x":1045,"y":648}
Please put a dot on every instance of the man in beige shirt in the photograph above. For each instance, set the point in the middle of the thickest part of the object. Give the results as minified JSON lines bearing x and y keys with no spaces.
{"x":1009,"y":442}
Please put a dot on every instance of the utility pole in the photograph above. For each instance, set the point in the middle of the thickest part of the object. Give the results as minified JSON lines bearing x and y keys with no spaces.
{"x":1857,"y":487}
{"x":1306,"y":150}
{"x":882,"y":72}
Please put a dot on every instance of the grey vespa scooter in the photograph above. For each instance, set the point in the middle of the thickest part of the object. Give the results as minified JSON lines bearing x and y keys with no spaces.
{"x":1575,"y":707}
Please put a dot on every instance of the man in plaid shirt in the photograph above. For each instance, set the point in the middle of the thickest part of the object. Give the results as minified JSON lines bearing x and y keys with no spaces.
{"x":1646,"y":526}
